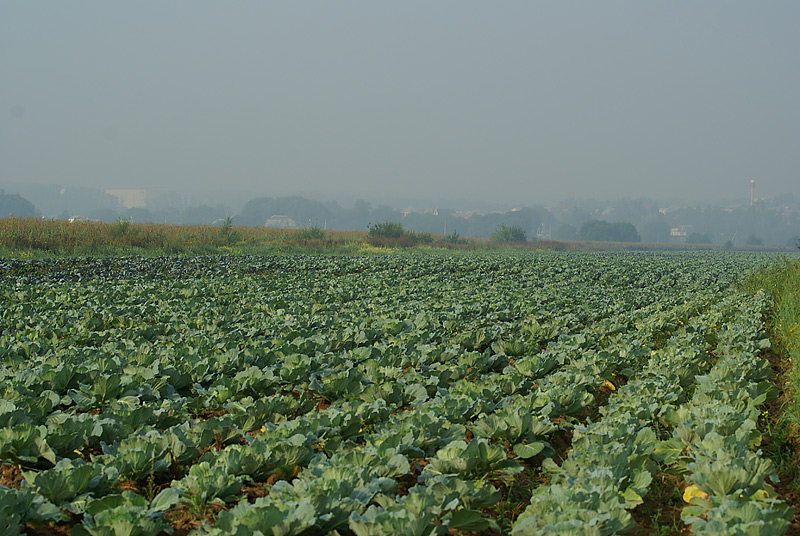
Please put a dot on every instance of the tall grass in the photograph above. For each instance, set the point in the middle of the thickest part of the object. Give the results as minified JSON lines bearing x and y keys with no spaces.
{"x":781,"y":421}
{"x":782,"y":283}
{"x":34,"y":237}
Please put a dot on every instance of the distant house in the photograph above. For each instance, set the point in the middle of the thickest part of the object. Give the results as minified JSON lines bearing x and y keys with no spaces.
{"x":679,"y":233}
{"x":278,"y":221}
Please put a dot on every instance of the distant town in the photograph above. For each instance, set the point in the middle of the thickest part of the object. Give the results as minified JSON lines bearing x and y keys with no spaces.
{"x":749,"y":221}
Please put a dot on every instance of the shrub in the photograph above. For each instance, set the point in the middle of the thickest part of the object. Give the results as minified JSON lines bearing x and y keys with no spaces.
{"x":313,"y":232}
{"x":389,"y":229}
{"x":421,"y":238}
{"x":454,"y":238}
{"x":508,"y":235}
{"x":120,"y":228}
{"x":227,"y":234}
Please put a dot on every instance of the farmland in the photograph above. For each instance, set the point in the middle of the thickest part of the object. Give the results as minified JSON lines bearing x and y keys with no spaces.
{"x":494,"y":393}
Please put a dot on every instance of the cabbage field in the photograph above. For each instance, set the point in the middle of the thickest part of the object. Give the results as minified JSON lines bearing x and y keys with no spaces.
{"x":494,"y":393}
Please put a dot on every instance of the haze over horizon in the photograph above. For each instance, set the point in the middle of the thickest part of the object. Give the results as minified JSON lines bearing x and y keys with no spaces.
{"x":515,"y":103}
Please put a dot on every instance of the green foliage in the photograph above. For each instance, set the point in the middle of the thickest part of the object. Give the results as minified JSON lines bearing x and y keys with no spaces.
{"x":471,"y":460}
{"x":24,"y":505}
{"x":381,"y":394}
{"x":120,"y":228}
{"x":25,"y":443}
{"x":603,"y":231}
{"x":14,"y":205}
{"x":698,"y":238}
{"x":313,"y":232}
{"x":228,"y":235}
{"x":454,"y":238}
{"x":753,"y":240}
{"x":127,"y":514}
{"x":387,"y":229}
{"x":69,"y":483}
{"x":244,"y":519}
{"x":392,"y":234}
{"x":206,"y":483}
{"x":781,"y":282}
{"x":505,"y":234}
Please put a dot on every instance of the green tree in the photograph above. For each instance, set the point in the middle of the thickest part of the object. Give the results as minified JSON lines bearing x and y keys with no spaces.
{"x":506,"y":234}
{"x":603,"y":231}
{"x":698,"y":238}
{"x":753,"y":240}
{"x":565,"y":231}
{"x":15,"y":205}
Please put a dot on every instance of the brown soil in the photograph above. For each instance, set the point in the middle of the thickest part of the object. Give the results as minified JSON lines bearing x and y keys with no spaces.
{"x":49,"y":529}
{"x":211,"y":413}
{"x":129,"y":485}
{"x":255,"y":490}
{"x":660,"y":512}
{"x":10,"y":476}
{"x":184,"y":522}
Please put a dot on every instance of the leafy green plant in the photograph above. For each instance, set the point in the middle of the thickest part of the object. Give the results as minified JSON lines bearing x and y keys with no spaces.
{"x":70,"y":483}
{"x":23,"y":505}
{"x":398,"y":520}
{"x":204,"y":484}
{"x":472,"y":460}
{"x":261,"y":516}
{"x":127,"y":514}
{"x":25,"y":443}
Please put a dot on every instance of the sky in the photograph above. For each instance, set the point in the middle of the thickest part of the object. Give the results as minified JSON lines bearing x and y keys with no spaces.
{"x":520,"y":102}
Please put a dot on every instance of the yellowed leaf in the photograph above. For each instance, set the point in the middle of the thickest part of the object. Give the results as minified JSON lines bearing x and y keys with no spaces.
{"x":693,"y":491}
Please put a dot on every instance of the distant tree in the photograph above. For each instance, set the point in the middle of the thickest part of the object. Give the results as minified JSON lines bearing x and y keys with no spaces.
{"x":454,"y":238}
{"x":259,"y":210}
{"x":16,"y":205}
{"x":655,"y":229}
{"x":698,"y":238}
{"x":508,"y":234}
{"x":565,"y":231}
{"x":104,"y":214}
{"x":603,"y":231}
{"x":203,"y":214}
{"x":753,"y":240}
{"x":138,"y":215}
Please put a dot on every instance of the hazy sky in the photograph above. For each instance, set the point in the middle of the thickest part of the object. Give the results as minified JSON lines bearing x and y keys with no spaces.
{"x":520,"y":102}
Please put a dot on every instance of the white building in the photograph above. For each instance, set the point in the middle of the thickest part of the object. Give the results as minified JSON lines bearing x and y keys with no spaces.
{"x":279,"y":221}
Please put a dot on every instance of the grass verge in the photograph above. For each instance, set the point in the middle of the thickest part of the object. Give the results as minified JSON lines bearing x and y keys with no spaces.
{"x":780,"y":419}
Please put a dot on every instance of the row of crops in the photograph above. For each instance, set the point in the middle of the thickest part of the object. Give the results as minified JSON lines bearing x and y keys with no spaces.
{"x":381,"y":395}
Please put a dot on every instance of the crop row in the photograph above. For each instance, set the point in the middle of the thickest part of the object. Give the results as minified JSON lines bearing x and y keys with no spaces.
{"x":322,"y":395}
{"x":715,"y":440}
